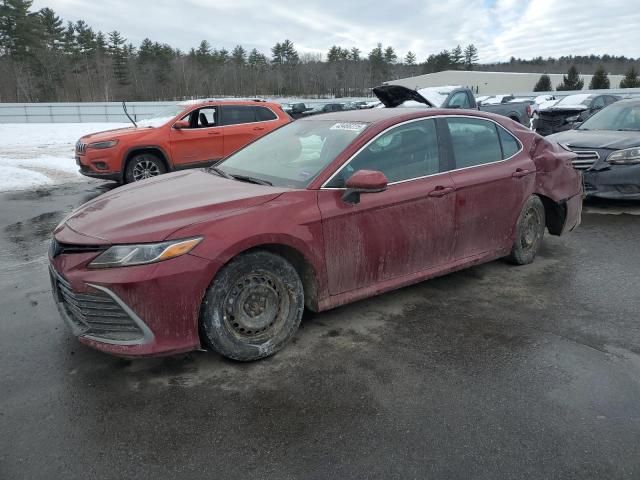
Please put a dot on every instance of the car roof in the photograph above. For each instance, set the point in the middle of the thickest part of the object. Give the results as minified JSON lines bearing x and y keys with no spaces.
{"x":229,"y":101}
{"x":397,"y":115}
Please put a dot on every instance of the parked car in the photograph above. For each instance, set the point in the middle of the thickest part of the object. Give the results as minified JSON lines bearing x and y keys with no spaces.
{"x":325,"y":108}
{"x":448,"y":97}
{"x":562,"y":115}
{"x":183,"y":136}
{"x":321,"y":212}
{"x":608,"y":149}
{"x":298,"y":110}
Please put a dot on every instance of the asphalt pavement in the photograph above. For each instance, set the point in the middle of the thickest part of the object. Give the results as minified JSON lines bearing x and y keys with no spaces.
{"x":495,"y":372}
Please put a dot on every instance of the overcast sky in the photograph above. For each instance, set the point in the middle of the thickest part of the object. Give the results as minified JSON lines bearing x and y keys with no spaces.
{"x":499,"y":28}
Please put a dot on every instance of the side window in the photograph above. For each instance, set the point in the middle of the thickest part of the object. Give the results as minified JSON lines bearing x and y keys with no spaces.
{"x":264,"y":114}
{"x":598,"y":103}
{"x":474,"y":141}
{"x":236,"y":114}
{"x":510,"y":145}
{"x":206,"y":117}
{"x":405,"y":152}
{"x":460,"y":100}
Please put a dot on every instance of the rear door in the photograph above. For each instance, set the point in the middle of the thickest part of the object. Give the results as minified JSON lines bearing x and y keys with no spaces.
{"x":403,"y":230}
{"x":244,"y":123}
{"x":202,"y":142}
{"x":492,"y":177}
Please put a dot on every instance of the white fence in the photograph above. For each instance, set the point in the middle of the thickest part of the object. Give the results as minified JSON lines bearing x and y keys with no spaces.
{"x":77,"y":112}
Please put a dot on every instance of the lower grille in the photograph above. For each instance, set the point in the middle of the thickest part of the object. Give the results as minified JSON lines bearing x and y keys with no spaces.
{"x":586,"y":159}
{"x":95,"y":314}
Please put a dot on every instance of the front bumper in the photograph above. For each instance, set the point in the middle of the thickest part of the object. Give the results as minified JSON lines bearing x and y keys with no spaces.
{"x":89,"y":162}
{"x":145,"y":310}
{"x":617,"y":182}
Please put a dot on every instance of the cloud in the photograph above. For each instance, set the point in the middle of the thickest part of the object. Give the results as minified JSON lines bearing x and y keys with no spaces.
{"x":499,"y":28}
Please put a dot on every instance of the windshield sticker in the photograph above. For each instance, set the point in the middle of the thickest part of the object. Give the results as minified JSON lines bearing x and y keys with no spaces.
{"x":350,"y":126}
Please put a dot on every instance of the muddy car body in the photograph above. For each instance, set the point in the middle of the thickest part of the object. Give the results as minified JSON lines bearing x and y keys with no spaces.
{"x":608,"y":149}
{"x":342,"y":206}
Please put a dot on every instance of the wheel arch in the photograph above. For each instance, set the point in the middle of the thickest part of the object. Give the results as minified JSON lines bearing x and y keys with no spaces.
{"x":154,"y":149}
{"x":555,"y":214}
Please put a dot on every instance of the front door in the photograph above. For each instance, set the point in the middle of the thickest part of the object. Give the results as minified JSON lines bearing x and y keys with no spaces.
{"x":403,"y":230}
{"x":202,"y":142}
{"x":493,"y":177}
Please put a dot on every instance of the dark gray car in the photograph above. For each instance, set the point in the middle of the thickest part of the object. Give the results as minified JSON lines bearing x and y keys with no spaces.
{"x":570,"y":110}
{"x":608,"y":149}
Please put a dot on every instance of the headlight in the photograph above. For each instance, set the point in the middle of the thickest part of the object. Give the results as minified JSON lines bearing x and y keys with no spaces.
{"x":630,"y":156}
{"x":575,"y":118}
{"x":105,"y":144}
{"x":127,"y":255}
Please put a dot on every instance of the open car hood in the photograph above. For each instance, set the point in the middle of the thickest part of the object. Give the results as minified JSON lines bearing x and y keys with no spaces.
{"x":393,"y":96}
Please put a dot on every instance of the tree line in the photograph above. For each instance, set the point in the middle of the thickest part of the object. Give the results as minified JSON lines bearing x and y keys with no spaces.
{"x":43,"y":58}
{"x":599,"y":81}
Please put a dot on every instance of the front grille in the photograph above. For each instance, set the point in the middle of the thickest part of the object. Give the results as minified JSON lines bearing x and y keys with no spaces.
{"x":551,"y":121}
{"x":56,"y":248}
{"x":81,"y":148}
{"x":586,"y":159}
{"x":95,"y":314}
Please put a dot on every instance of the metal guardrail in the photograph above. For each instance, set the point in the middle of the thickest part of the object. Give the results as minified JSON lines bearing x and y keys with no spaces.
{"x":98,"y":112}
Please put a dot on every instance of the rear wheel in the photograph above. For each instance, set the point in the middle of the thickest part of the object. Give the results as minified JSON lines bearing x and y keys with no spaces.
{"x":253,"y":307}
{"x":142,"y":166}
{"x":529,"y":232}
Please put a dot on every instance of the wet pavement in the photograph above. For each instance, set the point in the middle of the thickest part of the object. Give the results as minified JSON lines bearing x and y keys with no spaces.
{"x":494,"y":372}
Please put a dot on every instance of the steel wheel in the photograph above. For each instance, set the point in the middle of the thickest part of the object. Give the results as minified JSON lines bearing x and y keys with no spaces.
{"x":528,"y":232}
{"x":255,"y":304}
{"x":531,"y":230}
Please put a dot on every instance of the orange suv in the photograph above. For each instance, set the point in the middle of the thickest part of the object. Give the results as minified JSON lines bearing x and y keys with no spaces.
{"x":183,"y":136}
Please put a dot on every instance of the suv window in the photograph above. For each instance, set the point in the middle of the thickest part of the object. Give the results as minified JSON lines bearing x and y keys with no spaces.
{"x":510,"y":145}
{"x":598,"y":102}
{"x":474,"y":141}
{"x":203,"y":118}
{"x":460,"y":99}
{"x":236,"y":114}
{"x":264,"y":114}
{"x":405,"y":152}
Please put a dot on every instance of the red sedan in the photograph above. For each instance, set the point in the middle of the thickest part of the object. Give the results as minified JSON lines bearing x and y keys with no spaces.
{"x":323,"y":211}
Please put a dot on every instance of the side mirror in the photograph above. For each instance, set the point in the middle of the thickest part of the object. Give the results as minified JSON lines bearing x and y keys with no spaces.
{"x":364,"y":181}
{"x":180,"y":124}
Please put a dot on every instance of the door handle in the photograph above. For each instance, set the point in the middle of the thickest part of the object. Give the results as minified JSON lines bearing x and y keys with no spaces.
{"x":258,"y":128}
{"x":213,"y":133}
{"x":441,"y":191}
{"x":519,"y":173}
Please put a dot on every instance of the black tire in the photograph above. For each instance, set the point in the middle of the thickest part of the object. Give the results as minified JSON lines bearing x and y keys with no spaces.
{"x":142,"y":166}
{"x":253,"y":307}
{"x":529,"y":232}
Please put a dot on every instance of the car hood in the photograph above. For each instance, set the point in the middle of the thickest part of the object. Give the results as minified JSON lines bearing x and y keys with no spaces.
{"x":609,"y":139}
{"x":564,"y":108}
{"x":115,"y":133}
{"x":150,"y":210}
{"x":392,"y":96}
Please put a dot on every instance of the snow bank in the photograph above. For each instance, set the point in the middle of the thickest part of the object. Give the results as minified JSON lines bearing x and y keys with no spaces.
{"x":40,"y":154}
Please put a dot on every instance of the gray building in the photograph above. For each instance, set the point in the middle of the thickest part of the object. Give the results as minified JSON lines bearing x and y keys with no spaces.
{"x":489,"y":83}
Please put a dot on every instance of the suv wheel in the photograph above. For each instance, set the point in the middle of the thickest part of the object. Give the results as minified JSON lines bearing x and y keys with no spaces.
{"x":142,"y":166}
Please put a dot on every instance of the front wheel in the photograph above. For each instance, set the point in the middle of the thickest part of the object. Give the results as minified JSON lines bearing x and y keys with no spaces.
{"x":142,"y":166}
{"x":529,"y":232}
{"x":253,"y":307}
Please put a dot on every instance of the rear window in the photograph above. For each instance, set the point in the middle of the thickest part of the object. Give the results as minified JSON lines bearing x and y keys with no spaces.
{"x":235,"y":114}
{"x":264,"y":114}
{"x":510,"y":145}
{"x":475,"y":141}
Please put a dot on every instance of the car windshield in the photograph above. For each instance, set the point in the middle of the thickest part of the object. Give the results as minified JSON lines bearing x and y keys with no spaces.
{"x":581,"y":99}
{"x":161,"y":117}
{"x":618,"y":116}
{"x":293,"y":155}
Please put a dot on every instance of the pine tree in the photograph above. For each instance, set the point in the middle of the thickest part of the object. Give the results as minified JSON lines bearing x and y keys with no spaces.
{"x":116,"y":49}
{"x":600,"y":79}
{"x":390,"y":56}
{"x":571,"y":81}
{"x":543,"y":84}
{"x":457,"y":58}
{"x":239,"y":55}
{"x":256,"y":58}
{"x":410,"y":58}
{"x":630,"y":80}
{"x":19,"y":33}
{"x":289,"y":53}
{"x":52,"y":32}
{"x":354,"y":54}
{"x":470,"y":56}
